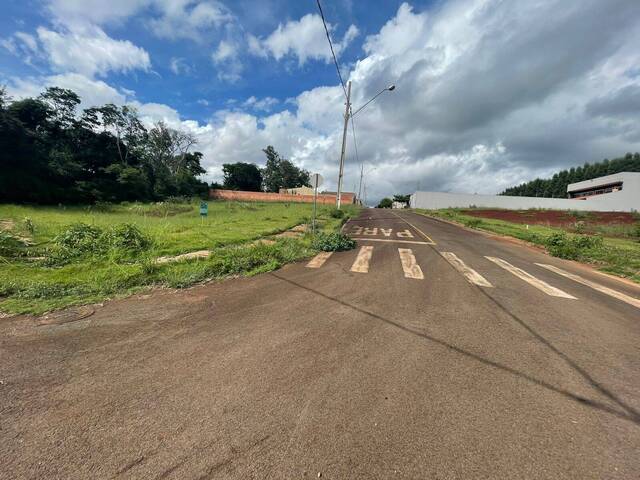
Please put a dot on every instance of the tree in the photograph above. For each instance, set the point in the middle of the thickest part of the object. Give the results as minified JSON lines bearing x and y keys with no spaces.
{"x":402,"y":199}
{"x":242,"y":176}
{"x":281,"y":173}
{"x":385,"y":203}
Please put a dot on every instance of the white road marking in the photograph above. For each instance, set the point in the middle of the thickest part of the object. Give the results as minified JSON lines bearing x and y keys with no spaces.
{"x":404,"y":234}
{"x":470,"y":274}
{"x":416,"y":229}
{"x":409,"y":265}
{"x":414,"y":242}
{"x":319,"y":259}
{"x":361,"y":265}
{"x":596,"y":286}
{"x":386,"y":231}
{"x":371,"y":231}
{"x":530,"y":279}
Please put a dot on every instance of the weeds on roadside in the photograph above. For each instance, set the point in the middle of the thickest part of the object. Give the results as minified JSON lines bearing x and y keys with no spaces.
{"x":333,"y":242}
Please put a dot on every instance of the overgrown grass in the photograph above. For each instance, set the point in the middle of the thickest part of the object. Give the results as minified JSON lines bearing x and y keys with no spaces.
{"x":68,"y":256}
{"x":619,"y":256}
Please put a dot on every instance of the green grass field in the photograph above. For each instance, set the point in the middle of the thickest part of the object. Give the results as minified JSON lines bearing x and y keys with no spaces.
{"x":39,"y":275}
{"x":618,"y":256}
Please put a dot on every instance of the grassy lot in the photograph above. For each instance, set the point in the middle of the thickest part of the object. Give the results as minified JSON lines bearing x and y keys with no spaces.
{"x":53,"y":257}
{"x":619,"y":256}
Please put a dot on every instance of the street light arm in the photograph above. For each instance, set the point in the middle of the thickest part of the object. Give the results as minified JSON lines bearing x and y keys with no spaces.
{"x":377,"y":95}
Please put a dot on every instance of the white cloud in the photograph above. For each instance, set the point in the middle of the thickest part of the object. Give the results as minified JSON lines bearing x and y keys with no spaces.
{"x":92,"y":92}
{"x":304,"y":39}
{"x":261,"y":104}
{"x":179,"y":66}
{"x":226,"y":58}
{"x":91,"y":52}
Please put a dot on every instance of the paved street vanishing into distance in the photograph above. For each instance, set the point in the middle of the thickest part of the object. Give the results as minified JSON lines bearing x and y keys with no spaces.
{"x":429,"y":351}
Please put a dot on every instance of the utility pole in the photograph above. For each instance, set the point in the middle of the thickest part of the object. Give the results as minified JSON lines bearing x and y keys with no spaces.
{"x":360,"y":187}
{"x":344,"y":144}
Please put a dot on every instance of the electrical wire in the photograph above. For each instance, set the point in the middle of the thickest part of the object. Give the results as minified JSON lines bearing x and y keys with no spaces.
{"x":333,"y":53}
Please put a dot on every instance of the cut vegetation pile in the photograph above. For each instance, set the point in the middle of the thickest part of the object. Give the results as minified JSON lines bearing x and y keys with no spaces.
{"x":588,"y":237}
{"x":52,"y":257}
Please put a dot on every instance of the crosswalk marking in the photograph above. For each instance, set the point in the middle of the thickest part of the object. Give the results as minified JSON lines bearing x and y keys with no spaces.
{"x":471,"y":275}
{"x":596,"y":286}
{"x":530,"y":279}
{"x":409,"y":265}
{"x":319,"y":259}
{"x":361,"y":265}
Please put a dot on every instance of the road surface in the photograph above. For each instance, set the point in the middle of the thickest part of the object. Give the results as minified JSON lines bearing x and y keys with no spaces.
{"x":429,"y":352}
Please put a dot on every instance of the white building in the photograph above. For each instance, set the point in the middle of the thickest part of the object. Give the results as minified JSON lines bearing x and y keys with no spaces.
{"x":619,"y":192}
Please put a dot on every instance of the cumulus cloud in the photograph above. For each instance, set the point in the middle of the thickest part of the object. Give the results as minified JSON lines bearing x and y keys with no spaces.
{"x":261,"y":104}
{"x":304,"y":39}
{"x":91,"y":52}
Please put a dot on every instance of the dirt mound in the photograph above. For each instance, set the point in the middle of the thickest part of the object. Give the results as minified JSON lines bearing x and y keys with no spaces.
{"x":555,"y":218}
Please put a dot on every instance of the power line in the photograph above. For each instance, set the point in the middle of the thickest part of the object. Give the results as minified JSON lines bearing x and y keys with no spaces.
{"x":333,"y":53}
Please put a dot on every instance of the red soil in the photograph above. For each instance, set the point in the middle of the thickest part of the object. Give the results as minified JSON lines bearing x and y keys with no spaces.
{"x":555,"y":218}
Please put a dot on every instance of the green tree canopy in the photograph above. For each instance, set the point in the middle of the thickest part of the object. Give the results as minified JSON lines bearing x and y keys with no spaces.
{"x":242,"y":176}
{"x":556,"y":186}
{"x":281,"y":173}
{"x":385,"y":203}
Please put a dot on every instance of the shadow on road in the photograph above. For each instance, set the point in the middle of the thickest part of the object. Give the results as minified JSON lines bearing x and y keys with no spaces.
{"x":628,"y":412}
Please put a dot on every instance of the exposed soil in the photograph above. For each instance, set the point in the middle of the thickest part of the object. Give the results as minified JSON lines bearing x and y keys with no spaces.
{"x":555,"y":218}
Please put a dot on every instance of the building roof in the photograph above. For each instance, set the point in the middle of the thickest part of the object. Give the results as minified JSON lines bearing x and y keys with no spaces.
{"x":601,"y":181}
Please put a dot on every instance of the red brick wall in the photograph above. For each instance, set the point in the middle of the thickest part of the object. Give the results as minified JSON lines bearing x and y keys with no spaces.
{"x":276,"y":197}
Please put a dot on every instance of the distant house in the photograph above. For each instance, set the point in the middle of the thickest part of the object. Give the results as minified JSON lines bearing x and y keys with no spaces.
{"x":398,"y":205}
{"x":297,"y":191}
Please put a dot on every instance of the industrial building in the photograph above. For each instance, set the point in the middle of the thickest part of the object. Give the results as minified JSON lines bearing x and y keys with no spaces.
{"x":619,"y":192}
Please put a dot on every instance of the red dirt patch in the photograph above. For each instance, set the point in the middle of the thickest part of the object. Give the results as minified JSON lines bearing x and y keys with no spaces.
{"x":555,"y":218}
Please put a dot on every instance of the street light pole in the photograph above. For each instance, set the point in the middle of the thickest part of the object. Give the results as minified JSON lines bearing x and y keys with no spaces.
{"x":347,"y":115}
{"x":344,"y":145}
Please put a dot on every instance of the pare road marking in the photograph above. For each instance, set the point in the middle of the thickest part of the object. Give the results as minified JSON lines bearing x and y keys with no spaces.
{"x":409,"y":265}
{"x":530,"y":279}
{"x":319,"y":259}
{"x":370,"y":231}
{"x":426,"y":237}
{"x":414,"y":242}
{"x":386,"y":231}
{"x":405,"y":234}
{"x":361,"y":264}
{"x":596,"y":286}
{"x":470,"y":274}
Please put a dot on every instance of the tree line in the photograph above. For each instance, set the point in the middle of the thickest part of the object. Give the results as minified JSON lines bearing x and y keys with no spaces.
{"x":51,"y":153}
{"x":278,"y":173}
{"x":556,"y":186}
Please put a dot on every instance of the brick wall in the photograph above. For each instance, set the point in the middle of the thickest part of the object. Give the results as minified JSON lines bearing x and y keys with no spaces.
{"x":241,"y":196}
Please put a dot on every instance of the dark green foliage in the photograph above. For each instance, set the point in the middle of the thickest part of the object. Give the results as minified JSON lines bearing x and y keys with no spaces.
{"x":10,"y":245}
{"x":281,"y":173}
{"x":336,"y":213}
{"x":50,"y":153}
{"x":571,"y":247}
{"x":81,"y":239}
{"x":473,"y":222}
{"x":402,"y":198}
{"x":242,"y":176}
{"x":333,"y":242}
{"x":385,"y":203}
{"x":556,"y":187}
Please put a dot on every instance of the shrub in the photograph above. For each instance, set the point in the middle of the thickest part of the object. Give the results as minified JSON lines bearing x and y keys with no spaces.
{"x":385,"y":203}
{"x":10,"y":245}
{"x":336,"y":213}
{"x":562,"y":246}
{"x":333,"y":242}
{"x":78,"y":238}
{"x":636,"y":231}
{"x":125,"y":236}
{"x":473,"y":222}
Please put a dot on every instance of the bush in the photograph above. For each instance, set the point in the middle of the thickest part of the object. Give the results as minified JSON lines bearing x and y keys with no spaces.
{"x":125,"y":236}
{"x":333,"y":242}
{"x":472,"y":222}
{"x":78,"y":238}
{"x":636,"y":231}
{"x":385,"y":203}
{"x":336,"y":213}
{"x":10,"y":245}
{"x":562,"y":246}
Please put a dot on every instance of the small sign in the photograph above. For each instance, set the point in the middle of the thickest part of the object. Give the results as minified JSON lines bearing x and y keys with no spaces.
{"x":316,"y":180}
{"x":204,"y":209}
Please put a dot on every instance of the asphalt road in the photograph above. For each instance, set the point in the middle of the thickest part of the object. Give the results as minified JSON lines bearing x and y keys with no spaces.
{"x":429,"y":352}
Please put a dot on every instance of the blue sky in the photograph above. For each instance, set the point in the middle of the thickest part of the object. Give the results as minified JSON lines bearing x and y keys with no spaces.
{"x":490,"y":93}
